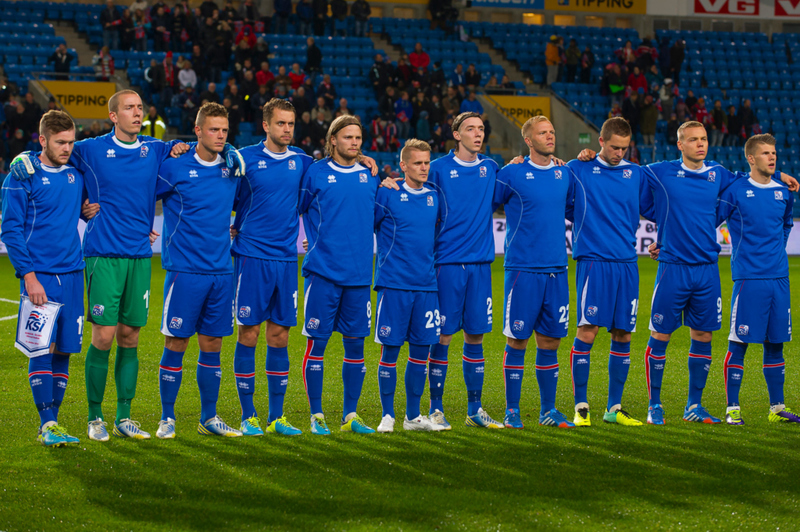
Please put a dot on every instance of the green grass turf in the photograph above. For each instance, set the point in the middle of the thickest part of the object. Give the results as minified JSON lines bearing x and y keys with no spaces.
{"x":681,"y":476}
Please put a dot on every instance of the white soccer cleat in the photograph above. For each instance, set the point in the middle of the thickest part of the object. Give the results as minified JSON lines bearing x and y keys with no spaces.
{"x":438,"y":419}
{"x":166,"y":429}
{"x":216,"y":427}
{"x":97,"y":430}
{"x":421,"y":423}
{"x":128,"y":428}
{"x":387,"y":424}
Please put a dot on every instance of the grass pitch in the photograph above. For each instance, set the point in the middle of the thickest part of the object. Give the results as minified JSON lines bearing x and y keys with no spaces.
{"x":680,"y":476}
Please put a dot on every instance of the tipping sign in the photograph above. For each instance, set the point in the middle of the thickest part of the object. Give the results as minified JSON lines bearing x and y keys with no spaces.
{"x":83,"y":99}
{"x":522,"y":108}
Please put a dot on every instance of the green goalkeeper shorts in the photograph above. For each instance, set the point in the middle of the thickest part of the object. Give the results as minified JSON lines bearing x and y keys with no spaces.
{"x":118,"y":290}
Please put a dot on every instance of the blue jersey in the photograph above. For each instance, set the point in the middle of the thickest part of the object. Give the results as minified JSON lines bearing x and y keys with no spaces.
{"x":338,"y":207}
{"x":122,"y":179}
{"x":405,"y":226}
{"x":537,"y":200}
{"x":197,"y":199}
{"x":685,"y":203}
{"x":266,"y":204}
{"x":465,"y":219}
{"x":606,"y":215}
{"x":759,"y":220}
{"x":40,"y":221}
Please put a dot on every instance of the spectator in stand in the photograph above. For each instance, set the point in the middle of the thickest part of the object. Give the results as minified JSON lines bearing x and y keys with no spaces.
{"x":161,"y":35}
{"x":719,"y":124}
{"x":187,"y":77}
{"x":210,"y":94}
{"x":280,"y":18}
{"x":379,"y":77}
{"x":458,"y":78}
{"x":573,"y":60}
{"x":327,"y":90}
{"x":236,"y":99}
{"x":303,"y":127}
{"x":153,"y":125}
{"x":664,"y":55}
{"x":343,"y":109}
{"x":386,"y":104}
{"x":452,"y":101}
{"x":552,"y":59}
{"x":189,"y":104}
{"x":681,"y":110}
{"x":492,"y":87}
{"x":423,"y":129}
{"x":654,"y":76}
{"x":472,"y":77}
{"x":282,"y":80}
{"x":587,"y":62}
{"x":319,"y":128}
{"x":260,"y":52}
{"x":748,"y":118}
{"x":207,"y":8}
{"x":690,"y":101}
{"x":245,"y":44}
{"x":248,"y":13}
{"x":61,"y":60}
{"x":154,"y":76}
{"x":437,"y":81}
{"x":361,"y":12}
{"x":630,"y":111}
{"x":234,"y":119}
{"x":265,"y":76}
{"x":734,"y":127}
{"x":616,"y":110}
{"x":320,"y":8}
{"x":646,"y":55}
{"x":313,"y":57}
{"x":256,"y":104}
{"x":627,"y":55}
{"x":402,"y":74}
{"x":420,"y":104}
{"x":700,"y":113}
{"x":322,"y":108}
{"x":198,"y":61}
{"x":305,"y":17}
{"x":339,"y":17}
{"x":140,"y":26}
{"x":419,"y":58}
{"x":436,"y":109}
{"x":103,"y":64}
{"x":420,"y":79}
{"x":676,"y":56}
{"x":126,"y":29}
{"x":170,"y":80}
{"x":17,"y":144}
{"x":217,"y":60}
{"x":300,"y":101}
{"x":404,"y":112}
{"x":613,"y":84}
{"x":248,"y":85}
{"x":296,"y":76}
{"x":672,"y":129}
{"x":471,"y":104}
{"x":33,"y":113}
{"x":637,"y":80}
{"x":111,"y":21}
{"x":437,"y":140}
{"x":666,"y":96}
{"x":181,"y":20}
{"x":632,"y":154}
{"x":562,"y":60}
{"x":648,"y":116}
{"x":138,"y":4}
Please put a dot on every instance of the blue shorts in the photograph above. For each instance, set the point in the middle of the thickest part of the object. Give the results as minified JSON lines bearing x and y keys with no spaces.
{"x":608,"y":294}
{"x":67,"y":289}
{"x":686,"y":295}
{"x":329,"y":307}
{"x":265,"y":290}
{"x":761,"y":311}
{"x":465,"y":298}
{"x":197,"y":303}
{"x":536,"y":302}
{"x":407,"y":316}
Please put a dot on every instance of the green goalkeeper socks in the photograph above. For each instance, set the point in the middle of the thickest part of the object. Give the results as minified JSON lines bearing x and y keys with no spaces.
{"x":126,"y":371}
{"x":96,"y":375}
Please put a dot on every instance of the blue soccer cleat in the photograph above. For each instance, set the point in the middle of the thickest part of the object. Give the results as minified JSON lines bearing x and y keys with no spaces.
{"x":318,"y":425}
{"x":512,"y":420}
{"x":51,"y":437}
{"x":61,"y":431}
{"x":251,"y":427}
{"x":354,"y":423}
{"x":437,"y":418}
{"x":283,"y":427}
{"x":655,"y":415}
{"x":554,"y":418}
{"x":698,"y":414}
{"x":216,"y":427}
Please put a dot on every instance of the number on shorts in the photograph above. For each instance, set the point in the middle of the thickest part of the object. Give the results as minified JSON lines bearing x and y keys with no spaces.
{"x":719,"y":305}
{"x":433,"y":318}
{"x":295,"y":299}
{"x":489,"y":306}
{"x":147,"y":299}
{"x":80,"y":326}
{"x":634,"y":307}
{"x":369,"y":309}
{"x":564,"y":314}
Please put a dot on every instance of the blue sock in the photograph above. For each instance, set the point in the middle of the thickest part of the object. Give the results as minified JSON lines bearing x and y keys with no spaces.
{"x":40,"y":377}
{"x":313,"y":370}
{"x":734,"y":371}
{"x":547,"y":377}
{"x":437,"y":375}
{"x":277,"y":368}
{"x":514,"y":370}
{"x":619,"y":362}
{"x":170,"y":375}
{"x":473,"y":365}
{"x":244,"y":371}
{"x":580,"y":361}
{"x":774,"y":369}
{"x":387,"y":377}
{"x":209,"y":375}
{"x":416,"y":370}
{"x":353,"y":369}
{"x":655,"y":357}
{"x":60,"y":366}
{"x":699,"y":365}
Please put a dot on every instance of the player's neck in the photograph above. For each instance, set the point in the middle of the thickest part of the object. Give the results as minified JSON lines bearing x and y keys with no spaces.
{"x":275,"y":148}
{"x":603,"y":157}
{"x":465,"y":155}
{"x":46,"y":161}
{"x":758,"y":177}
{"x":338,"y":159}
{"x":125,"y":137}
{"x":693,"y":165}
{"x":539,"y":159}
{"x":413,"y":183}
{"x":205,"y":154}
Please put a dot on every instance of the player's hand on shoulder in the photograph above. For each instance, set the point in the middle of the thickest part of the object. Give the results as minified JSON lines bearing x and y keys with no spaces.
{"x":34,"y":289}
{"x":370,"y":163}
{"x":653,"y":250}
{"x":557,"y":161}
{"x":24,"y":166}
{"x":179,"y":149}
{"x":89,"y":210}
{"x":519,"y":159}
{"x":587,"y":155}
{"x":790,"y":182}
{"x":391,"y":182}
{"x":234,"y":232}
{"x":153,"y":237}
{"x":305,"y":245}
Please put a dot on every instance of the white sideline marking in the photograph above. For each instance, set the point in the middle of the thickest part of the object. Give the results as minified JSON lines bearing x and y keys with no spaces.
{"x":9,"y":300}
{"x":4,"y":318}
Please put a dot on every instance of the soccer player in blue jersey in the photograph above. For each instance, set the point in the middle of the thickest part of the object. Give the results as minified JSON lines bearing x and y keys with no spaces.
{"x":198,"y":192}
{"x":606,"y":218}
{"x":538,"y":196}
{"x":759,"y":215}
{"x":40,"y":231}
{"x":464,"y":253}
{"x":337,"y":203}
{"x":407,"y":308}
{"x":265,"y":263}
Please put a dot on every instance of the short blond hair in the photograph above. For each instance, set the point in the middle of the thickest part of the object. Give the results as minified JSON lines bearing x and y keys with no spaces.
{"x":413,"y":145}
{"x":210,"y":110}
{"x":688,"y":125}
{"x":113,"y":102}
{"x":532,"y":121}
{"x":752,"y":143}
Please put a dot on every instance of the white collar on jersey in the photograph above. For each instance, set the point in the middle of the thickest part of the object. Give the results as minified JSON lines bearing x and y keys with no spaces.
{"x":346,"y":169}
{"x":771,"y":184}
{"x":702,"y":170}
{"x":54,"y":169}
{"x":123,"y":145}
{"x":277,"y":156}
{"x":540,"y":167}
{"x":600,"y":160}
{"x":215,"y":162}
{"x":462,"y":162}
{"x":416,"y":191}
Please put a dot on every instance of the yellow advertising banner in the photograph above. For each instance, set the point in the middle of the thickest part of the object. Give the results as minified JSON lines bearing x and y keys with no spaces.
{"x":83,"y":99}
{"x":629,"y":7}
{"x":521,"y":108}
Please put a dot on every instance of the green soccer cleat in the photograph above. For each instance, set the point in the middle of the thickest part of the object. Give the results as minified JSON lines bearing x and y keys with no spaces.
{"x":51,"y":437}
{"x":251,"y":427}
{"x":621,"y":417}
{"x":354,"y":423}
{"x":783,"y":416}
{"x":582,"y":417}
{"x":281,"y":426}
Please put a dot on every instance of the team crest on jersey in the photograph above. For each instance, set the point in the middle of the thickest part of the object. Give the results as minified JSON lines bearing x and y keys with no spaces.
{"x":626,"y":174}
{"x":111,"y":154}
{"x":591,"y":311}
{"x":244,"y":312}
{"x":36,"y":321}
{"x":403,"y":197}
{"x":225,"y":173}
{"x":658,"y":318}
{"x":483,"y":171}
{"x":192,"y":173}
{"x":779,"y":195}
{"x":557,"y":173}
{"x":453,"y":173}
{"x":98,"y":310}
{"x":681,"y":173}
{"x":362,"y":177}
{"x":430,"y":201}
{"x":71,"y":178}
{"x":292,"y":164}
{"x":744,"y":330}
{"x":262,"y":165}
{"x":313,"y":323}
{"x":144,"y":151}
{"x":518,"y":325}
{"x":529,"y":175}
{"x":176,"y":323}
{"x":385,"y":331}
{"x":712,"y":176}
{"x":331,"y":178}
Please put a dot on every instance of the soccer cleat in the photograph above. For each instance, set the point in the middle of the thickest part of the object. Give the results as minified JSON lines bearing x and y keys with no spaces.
{"x":216,"y":427}
{"x":61,"y":431}
{"x":438,"y":419}
{"x":784,"y":416}
{"x":51,"y":437}
{"x":281,"y":426}
{"x":97,"y":430}
{"x":655,"y":415}
{"x":554,"y":418}
{"x":698,"y":414}
{"x":734,"y":417}
{"x":127,"y":428}
{"x":318,"y":425}
{"x":512,"y":419}
{"x":420,"y":423}
{"x":355,"y":424}
{"x":482,"y":419}
{"x":387,"y":424}
{"x":621,"y":417}
{"x":251,"y":427}
{"x":582,"y":418}
{"x":166,"y":429}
